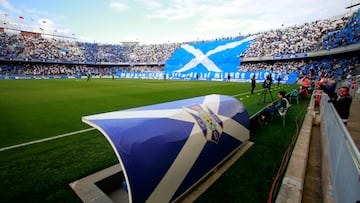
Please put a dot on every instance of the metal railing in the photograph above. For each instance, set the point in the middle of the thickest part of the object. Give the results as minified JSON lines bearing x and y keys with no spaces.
{"x":344,"y":157}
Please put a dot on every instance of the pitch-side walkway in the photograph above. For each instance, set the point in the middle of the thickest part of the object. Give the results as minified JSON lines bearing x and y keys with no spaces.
{"x":313,"y":183}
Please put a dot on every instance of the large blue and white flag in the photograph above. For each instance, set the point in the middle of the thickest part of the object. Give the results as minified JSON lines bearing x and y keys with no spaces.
{"x":215,"y":56}
{"x":165,"y":149}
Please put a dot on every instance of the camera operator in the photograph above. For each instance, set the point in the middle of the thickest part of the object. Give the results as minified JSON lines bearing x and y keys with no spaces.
{"x":266,"y":86}
{"x":267,"y":82}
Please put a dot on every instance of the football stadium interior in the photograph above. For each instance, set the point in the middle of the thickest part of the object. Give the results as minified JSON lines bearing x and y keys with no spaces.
{"x":169,"y":116}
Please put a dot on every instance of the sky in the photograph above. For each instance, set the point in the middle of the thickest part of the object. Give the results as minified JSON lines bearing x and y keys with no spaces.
{"x":163,"y":21}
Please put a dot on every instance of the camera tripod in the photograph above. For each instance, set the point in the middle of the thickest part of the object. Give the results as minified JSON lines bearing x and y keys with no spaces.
{"x":263,"y":95}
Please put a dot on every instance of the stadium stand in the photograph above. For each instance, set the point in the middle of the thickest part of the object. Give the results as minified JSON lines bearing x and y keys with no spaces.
{"x":294,"y":40}
{"x":284,"y":51}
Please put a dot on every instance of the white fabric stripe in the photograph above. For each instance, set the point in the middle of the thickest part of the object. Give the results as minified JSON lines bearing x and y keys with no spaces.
{"x":186,"y":158}
{"x":235,"y":129}
{"x":193,"y":62}
{"x":212,"y":101}
{"x":228,"y":46}
{"x":180,"y":167}
{"x":201,"y":58}
{"x":210,"y":65}
{"x":231,"y":127}
{"x":135,"y":114}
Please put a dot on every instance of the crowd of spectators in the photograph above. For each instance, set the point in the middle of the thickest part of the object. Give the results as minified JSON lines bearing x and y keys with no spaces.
{"x":35,"y":47}
{"x":281,"y":67}
{"x":308,"y":37}
{"x":346,"y":35}
{"x":331,"y":67}
{"x":49,"y":69}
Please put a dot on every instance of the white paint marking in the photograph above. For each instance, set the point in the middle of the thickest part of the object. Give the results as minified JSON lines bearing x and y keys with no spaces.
{"x":46,"y":139}
{"x":71,"y":133}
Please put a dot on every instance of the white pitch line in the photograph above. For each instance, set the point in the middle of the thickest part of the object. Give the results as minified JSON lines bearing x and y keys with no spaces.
{"x":46,"y":139}
{"x":236,"y":95}
{"x":72,"y":133}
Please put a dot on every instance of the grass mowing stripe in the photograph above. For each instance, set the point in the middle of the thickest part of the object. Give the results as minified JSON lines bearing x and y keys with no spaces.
{"x":76,"y":132}
{"x":73,"y":133}
{"x":35,"y":109}
{"x":46,"y":139}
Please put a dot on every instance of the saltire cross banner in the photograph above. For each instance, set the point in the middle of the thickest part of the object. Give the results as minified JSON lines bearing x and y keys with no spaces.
{"x":165,"y":149}
{"x":216,"y":56}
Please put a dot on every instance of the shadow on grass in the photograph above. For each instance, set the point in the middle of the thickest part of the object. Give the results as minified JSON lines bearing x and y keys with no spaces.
{"x":251,"y":177}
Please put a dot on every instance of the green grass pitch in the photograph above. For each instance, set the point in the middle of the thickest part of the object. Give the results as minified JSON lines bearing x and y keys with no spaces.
{"x":38,"y":109}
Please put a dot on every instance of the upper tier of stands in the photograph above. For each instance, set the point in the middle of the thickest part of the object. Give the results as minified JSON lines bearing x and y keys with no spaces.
{"x":309,"y":37}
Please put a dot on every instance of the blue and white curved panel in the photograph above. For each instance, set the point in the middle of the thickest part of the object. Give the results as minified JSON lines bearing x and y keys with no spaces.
{"x":165,"y":149}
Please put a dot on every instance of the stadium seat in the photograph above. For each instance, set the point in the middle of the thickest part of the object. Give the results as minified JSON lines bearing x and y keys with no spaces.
{"x":294,"y":95}
{"x":282,"y":114}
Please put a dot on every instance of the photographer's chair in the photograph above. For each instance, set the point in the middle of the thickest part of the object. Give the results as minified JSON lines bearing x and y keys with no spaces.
{"x":281,"y":113}
{"x":294,"y":95}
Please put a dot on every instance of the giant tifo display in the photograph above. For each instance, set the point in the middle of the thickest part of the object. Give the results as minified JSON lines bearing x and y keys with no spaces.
{"x":214,"y":60}
{"x":166,"y":149}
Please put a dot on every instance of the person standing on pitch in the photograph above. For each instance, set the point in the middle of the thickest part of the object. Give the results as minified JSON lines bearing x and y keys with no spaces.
{"x":88,"y":74}
{"x":278,"y":79}
{"x":253,"y":84}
